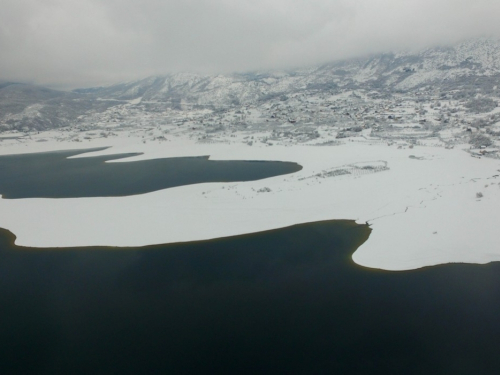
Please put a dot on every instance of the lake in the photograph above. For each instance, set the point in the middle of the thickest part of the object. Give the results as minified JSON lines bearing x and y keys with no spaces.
{"x":247,"y":304}
{"x":285,"y":301}
{"x":53,"y":175}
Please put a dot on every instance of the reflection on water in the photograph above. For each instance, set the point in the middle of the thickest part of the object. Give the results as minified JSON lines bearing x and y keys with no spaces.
{"x":287,"y":301}
{"x":53,"y":175}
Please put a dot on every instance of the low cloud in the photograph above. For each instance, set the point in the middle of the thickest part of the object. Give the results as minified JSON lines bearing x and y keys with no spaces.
{"x":69,"y":43}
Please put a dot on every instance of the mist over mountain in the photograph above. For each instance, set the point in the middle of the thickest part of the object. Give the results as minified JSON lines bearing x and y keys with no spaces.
{"x":462,"y":71}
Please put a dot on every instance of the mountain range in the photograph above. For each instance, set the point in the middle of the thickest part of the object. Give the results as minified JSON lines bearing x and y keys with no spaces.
{"x":460,"y":71}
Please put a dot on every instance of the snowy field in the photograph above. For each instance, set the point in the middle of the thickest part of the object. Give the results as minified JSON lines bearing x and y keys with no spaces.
{"x":422,"y":202}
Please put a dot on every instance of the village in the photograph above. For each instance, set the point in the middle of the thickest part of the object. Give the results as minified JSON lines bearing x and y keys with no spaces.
{"x":424,"y":118}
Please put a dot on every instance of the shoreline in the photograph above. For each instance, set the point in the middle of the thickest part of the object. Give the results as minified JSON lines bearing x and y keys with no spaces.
{"x":423,"y":210}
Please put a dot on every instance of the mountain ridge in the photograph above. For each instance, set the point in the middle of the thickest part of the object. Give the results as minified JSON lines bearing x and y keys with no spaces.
{"x":465,"y":69}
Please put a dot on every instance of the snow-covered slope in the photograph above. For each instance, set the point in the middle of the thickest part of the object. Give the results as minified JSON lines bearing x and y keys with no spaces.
{"x":465,"y":69}
{"x":398,"y":71}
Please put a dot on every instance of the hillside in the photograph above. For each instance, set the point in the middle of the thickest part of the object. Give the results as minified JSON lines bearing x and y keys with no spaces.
{"x":469,"y":72}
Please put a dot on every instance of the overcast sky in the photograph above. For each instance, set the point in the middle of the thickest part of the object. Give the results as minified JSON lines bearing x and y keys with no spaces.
{"x":82,"y":43}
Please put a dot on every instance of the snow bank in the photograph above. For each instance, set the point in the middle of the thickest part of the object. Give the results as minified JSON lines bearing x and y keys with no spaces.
{"x":422,"y":206}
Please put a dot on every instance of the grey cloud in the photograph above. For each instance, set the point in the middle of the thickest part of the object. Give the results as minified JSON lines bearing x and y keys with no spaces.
{"x":71,"y":43}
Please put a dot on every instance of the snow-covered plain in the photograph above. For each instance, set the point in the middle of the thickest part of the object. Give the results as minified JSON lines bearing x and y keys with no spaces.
{"x":421,"y":202}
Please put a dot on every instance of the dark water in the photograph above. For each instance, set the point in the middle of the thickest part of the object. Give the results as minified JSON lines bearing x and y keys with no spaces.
{"x":287,"y":301}
{"x":52,"y":175}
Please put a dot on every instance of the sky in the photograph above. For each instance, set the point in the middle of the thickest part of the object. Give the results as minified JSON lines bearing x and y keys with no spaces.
{"x":84,"y":43}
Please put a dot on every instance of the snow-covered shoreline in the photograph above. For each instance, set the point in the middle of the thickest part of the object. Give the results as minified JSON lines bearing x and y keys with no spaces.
{"x":422,"y":206}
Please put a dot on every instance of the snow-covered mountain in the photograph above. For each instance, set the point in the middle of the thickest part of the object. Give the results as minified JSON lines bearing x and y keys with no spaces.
{"x":24,"y":106}
{"x":463,"y":70}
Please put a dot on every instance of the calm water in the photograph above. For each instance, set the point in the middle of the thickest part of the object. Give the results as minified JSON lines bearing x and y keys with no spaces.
{"x":275,"y":301}
{"x":288,"y":301}
{"x":53,"y":175}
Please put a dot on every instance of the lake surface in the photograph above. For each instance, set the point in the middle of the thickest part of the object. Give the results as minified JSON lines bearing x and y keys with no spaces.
{"x":287,"y":301}
{"x":53,"y":175}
